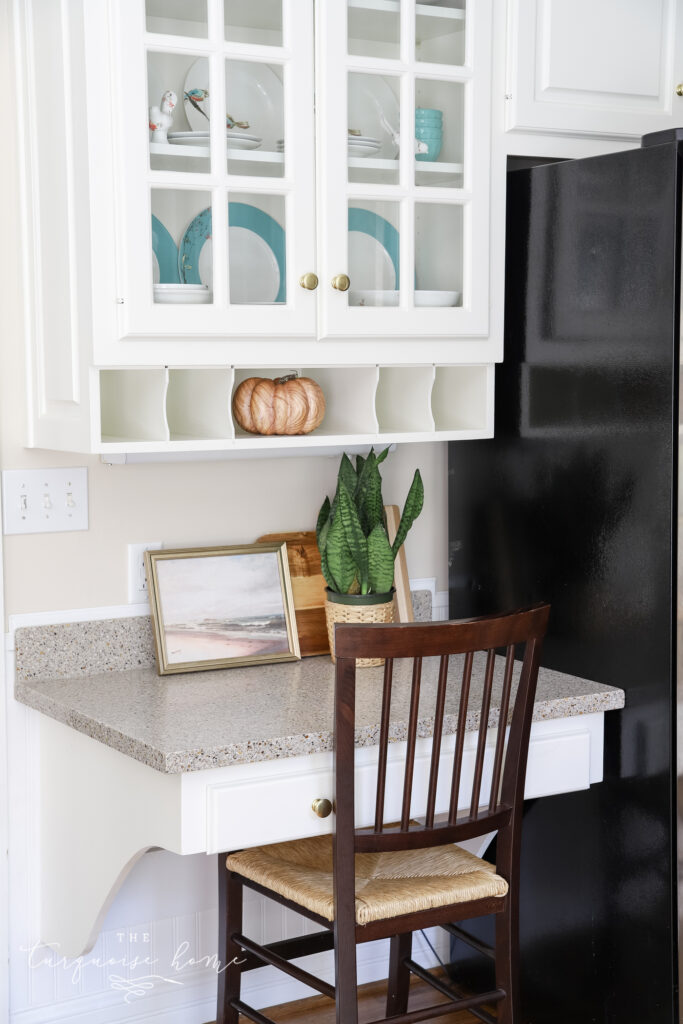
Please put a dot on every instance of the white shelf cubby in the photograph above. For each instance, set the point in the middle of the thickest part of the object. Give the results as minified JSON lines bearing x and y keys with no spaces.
{"x":462,"y":400}
{"x":198,"y":404}
{"x":133,"y":405}
{"x":189,"y":409}
{"x":403,"y":402}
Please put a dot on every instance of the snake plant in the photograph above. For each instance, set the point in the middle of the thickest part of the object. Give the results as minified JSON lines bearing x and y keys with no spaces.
{"x":355,"y":552}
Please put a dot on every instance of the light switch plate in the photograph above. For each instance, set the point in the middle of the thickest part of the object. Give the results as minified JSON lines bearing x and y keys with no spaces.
{"x":44,"y":500}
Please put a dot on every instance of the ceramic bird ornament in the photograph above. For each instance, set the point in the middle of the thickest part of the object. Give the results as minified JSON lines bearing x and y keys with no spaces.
{"x":161,"y":117}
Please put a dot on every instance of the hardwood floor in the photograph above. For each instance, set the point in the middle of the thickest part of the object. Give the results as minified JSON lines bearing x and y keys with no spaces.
{"x":371,"y":1005}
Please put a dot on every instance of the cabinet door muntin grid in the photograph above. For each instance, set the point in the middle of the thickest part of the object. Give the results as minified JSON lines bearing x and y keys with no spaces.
{"x":270,"y":188}
{"x":440,"y":287}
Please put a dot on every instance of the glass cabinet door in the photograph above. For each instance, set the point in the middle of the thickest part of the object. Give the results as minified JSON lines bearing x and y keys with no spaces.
{"x":404,"y":124}
{"x":215,"y":105}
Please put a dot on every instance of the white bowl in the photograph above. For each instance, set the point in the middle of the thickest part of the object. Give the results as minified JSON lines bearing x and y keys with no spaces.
{"x":187,"y":294}
{"x":390,"y":298}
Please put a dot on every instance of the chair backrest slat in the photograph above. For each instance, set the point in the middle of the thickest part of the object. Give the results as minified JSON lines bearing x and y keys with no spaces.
{"x":412,"y":741}
{"x":383,"y":744}
{"x":445,"y":640}
{"x":502,"y":727}
{"x":436,"y":740}
{"x":460,"y":736}
{"x":483,"y":728}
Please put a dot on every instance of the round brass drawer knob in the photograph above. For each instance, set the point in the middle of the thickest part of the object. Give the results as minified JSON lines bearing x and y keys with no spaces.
{"x":679,"y":89}
{"x":309,"y":282}
{"x":322,"y":807}
{"x":342,"y":282}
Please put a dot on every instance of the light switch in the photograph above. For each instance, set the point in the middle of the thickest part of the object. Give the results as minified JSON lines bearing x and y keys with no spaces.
{"x":44,"y":500}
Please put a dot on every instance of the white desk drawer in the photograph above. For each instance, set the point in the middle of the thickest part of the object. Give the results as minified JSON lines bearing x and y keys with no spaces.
{"x":271,"y":809}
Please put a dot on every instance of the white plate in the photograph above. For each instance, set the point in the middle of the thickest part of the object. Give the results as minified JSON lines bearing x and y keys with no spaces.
{"x":355,"y":150}
{"x":233,"y":142}
{"x":254,"y":270}
{"x":373,"y":109}
{"x":253,"y":94}
{"x":229,"y":134}
{"x":389,"y":297}
{"x":362,"y":140}
{"x":239,"y":142}
{"x":370,"y":264}
{"x":182,"y":293}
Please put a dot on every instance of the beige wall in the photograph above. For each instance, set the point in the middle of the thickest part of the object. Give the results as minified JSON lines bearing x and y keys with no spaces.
{"x":178,"y":503}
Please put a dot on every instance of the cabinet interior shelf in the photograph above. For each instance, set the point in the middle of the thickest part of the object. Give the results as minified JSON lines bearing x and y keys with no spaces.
{"x":423,"y":10}
{"x":267,"y":156}
{"x":247,"y":155}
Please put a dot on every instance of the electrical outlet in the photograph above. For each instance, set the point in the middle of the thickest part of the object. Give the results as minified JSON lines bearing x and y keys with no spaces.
{"x":44,"y":500}
{"x":137,"y":578}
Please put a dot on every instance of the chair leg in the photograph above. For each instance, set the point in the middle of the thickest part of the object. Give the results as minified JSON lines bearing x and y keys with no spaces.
{"x":230,"y":899}
{"x":507,"y":963}
{"x":346,"y":983}
{"x":399,"y":976}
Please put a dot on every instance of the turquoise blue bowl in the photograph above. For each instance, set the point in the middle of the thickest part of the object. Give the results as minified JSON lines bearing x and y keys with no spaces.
{"x":433,"y":150}
{"x":428,"y":133}
{"x":428,"y":112}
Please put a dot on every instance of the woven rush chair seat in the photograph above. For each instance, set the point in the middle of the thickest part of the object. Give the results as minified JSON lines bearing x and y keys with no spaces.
{"x":388,"y":884}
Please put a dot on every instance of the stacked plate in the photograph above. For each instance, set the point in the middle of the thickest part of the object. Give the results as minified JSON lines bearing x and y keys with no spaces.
{"x":234,"y":140}
{"x":363,"y":145}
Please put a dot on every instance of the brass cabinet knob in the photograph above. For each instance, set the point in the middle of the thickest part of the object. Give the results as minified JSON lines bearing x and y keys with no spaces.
{"x":322,"y":807}
{"x":679,"y":89}
{"x":341,"y":282}
{"x":309,"y":282}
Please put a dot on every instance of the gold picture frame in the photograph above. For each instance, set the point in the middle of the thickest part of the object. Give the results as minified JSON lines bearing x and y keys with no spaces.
{"x":195,"y":595}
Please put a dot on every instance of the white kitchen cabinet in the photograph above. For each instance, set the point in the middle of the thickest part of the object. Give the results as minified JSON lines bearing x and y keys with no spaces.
{"x":606,"y":68}
{"x":113,"y":211}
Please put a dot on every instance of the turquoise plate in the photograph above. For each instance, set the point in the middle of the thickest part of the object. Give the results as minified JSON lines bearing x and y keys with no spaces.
{"x":240,"y":215}
{"x":166,"y":252}
{"x":379,"y":228}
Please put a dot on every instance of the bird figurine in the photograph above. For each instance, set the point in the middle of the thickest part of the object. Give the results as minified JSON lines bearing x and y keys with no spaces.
{"x":161,"y":117}
{"x":195,"y":97}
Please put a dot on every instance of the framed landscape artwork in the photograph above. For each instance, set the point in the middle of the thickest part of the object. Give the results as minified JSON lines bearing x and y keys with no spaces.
{"x":221,"y":607}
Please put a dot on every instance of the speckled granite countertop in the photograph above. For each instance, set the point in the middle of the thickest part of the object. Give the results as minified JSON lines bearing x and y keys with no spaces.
{"x":211,"y":719}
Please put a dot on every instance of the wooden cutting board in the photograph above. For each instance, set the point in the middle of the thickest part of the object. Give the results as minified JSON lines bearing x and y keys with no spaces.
{"x":308,"y":589}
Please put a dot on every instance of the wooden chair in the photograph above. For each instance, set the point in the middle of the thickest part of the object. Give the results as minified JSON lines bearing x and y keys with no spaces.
{"x":389,"y":880}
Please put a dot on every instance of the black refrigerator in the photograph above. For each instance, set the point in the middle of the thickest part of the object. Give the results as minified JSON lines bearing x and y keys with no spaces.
{"x":575,"y":502}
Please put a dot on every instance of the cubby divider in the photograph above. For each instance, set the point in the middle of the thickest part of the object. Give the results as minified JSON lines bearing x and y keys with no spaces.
{"x":133,"y":405}
{"x":198,"y":404}
{"x":462,"y":398}
{"x":403,"y":401}
{"x":349,"y":398}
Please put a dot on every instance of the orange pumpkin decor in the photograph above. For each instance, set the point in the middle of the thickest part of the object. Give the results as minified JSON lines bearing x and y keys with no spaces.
{"x":285,"y":405}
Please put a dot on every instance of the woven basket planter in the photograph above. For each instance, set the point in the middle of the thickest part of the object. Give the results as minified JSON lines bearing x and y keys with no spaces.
{"x":358,"y":608}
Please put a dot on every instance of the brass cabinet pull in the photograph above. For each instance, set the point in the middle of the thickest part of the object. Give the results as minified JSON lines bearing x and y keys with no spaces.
{"x":679,"y":89}
{"x":309,"y":282}
{"x":322,"y":807}
{"x":341,"y":282}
